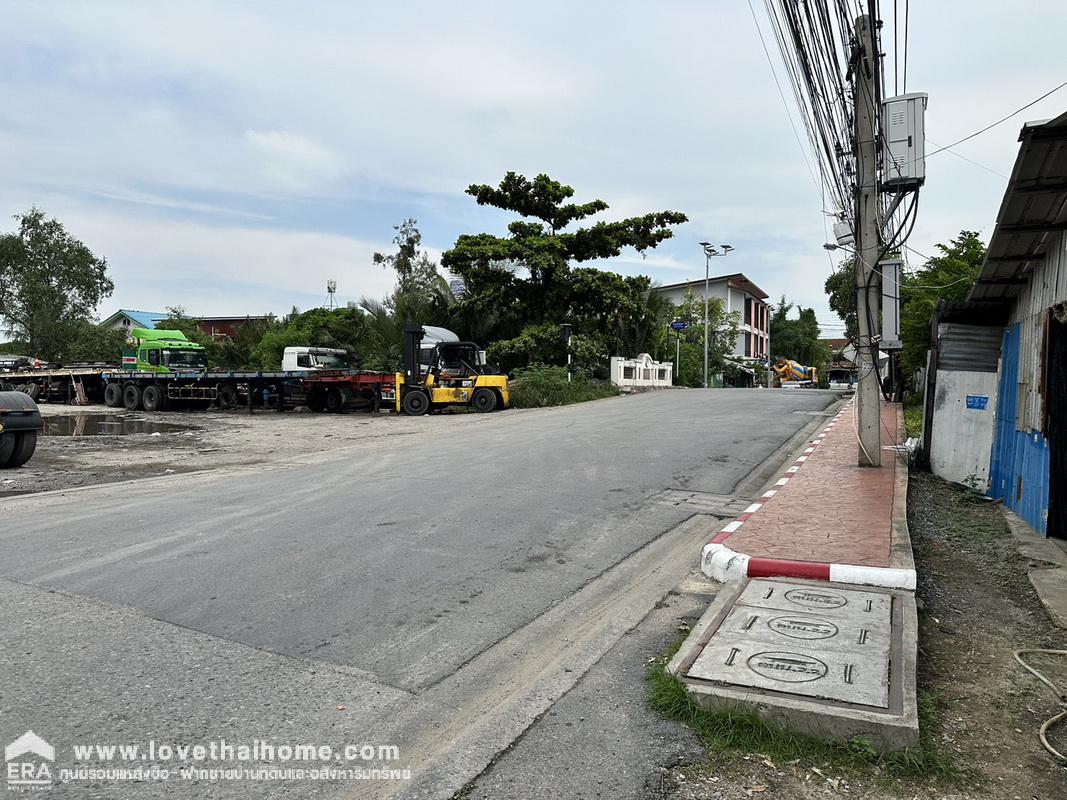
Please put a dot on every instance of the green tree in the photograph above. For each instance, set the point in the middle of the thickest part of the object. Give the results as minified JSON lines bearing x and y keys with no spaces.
{"x":90,"y":343}
{"x":342,"y":328}
{"x":50,"y":284}
{"x":526,"y":277}
{"x":798,"y":338}
{"x":841,"y":288}
{"x":948,"y":276}
{"x":723,"y":329}
{"x":421,"y":294}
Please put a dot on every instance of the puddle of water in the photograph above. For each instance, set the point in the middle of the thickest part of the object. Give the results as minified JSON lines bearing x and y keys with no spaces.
{"x":105,"y":425}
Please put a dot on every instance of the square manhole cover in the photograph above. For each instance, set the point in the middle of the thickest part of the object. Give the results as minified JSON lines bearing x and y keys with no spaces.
{"x":820,"y":642}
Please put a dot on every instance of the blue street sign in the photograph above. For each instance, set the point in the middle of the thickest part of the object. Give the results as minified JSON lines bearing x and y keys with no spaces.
{"x":678,"y":325}
{"x":977,"y":401}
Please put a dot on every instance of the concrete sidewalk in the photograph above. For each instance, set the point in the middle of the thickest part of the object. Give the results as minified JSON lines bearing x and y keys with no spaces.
{"x":801,"y":638}
{"x":826,"y":518}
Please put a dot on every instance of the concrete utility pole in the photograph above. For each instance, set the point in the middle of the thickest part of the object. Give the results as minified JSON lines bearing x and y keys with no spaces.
{"x":868,"y":395}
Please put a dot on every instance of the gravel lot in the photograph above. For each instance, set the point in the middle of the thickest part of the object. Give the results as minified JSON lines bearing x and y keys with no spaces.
{"x":202,"y":440}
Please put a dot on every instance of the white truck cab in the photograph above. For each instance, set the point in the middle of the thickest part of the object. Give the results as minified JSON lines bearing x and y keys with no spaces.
{"x":312,"y":359}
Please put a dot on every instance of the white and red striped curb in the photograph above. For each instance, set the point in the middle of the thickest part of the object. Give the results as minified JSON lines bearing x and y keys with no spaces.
{"x":722,"y":564}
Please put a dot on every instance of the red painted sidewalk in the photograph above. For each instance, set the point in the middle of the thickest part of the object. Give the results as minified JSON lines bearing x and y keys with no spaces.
{"x":826,"y":513}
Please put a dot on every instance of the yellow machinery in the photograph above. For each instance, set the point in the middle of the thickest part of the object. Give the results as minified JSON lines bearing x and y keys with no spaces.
{"x":790,"y":372}
{"x":446,"y":372}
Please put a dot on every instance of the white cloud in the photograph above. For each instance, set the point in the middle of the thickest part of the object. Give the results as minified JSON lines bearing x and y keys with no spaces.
{"x":372,"y":113}
{"x":158,"y":263}
{"x":295,"y":161}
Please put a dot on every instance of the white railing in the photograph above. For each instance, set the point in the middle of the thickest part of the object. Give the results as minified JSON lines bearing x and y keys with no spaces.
{"x":641,"y":371}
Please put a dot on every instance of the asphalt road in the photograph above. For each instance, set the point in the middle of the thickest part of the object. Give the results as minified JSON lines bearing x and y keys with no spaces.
{"x":396,"y":567}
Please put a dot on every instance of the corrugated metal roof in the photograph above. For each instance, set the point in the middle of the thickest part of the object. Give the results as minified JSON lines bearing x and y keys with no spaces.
{"x":1034,"y":206}
{"x":142,"y":319}
{"x":968,"y":348}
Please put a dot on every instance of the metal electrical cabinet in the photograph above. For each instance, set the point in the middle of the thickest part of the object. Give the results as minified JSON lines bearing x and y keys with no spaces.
{"x":904,"y":142}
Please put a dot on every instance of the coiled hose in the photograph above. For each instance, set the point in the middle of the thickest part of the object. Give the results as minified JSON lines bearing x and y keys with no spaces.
{"x":1061,"y":695}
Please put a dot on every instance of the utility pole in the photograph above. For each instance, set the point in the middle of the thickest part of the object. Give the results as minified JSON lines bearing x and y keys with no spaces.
{"x":868,"y":395}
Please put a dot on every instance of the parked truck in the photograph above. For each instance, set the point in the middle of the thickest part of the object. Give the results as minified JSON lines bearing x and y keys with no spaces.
{"x":20,"y":422}
{"x":163,"y":369}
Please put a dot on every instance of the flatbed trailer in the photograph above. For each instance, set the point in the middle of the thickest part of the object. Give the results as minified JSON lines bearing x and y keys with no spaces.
{"x":333,"y":390}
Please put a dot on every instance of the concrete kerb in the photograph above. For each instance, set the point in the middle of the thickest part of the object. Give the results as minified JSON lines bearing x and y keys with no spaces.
{"x":720,"y":563}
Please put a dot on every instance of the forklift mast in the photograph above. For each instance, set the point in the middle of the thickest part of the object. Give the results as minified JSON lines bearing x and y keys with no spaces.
{"x":412,"y":343}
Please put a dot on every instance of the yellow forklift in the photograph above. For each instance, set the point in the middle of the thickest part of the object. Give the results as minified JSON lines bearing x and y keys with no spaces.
{"x":441,"y":371}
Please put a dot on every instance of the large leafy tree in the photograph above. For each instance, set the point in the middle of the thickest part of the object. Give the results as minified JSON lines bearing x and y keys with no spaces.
{"x":421,"y":293}
{"x":526,"y":278}
{"x":948,"y":276}
{"x":841,"y":288}
{"x":723,"y":329}
{"x":50,"y":286}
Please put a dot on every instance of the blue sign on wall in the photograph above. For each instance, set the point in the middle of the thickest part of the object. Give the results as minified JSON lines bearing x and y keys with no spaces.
{"x":977,"y":401}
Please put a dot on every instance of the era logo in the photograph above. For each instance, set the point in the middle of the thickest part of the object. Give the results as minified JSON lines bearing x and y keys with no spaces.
{"x":24,"y":773}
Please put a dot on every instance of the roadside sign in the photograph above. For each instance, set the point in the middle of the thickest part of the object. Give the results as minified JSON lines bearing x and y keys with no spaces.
{"x":678,"y":325}
{"x":978,"y":402}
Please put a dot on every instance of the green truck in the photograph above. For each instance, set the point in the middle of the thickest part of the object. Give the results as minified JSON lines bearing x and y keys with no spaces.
{"x":163,"y":351}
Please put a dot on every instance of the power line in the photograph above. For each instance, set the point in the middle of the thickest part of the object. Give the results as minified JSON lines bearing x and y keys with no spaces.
{"x":964,"y":158}
{"x":1002,"y":119}
{"x":906,"y":9}
{"x":781,"y":94}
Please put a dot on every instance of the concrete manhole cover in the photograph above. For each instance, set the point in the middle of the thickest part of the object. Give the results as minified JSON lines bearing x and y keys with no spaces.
{"x":827,"y":643}
{"x":787,"y":667}
{"x":830,"y":603}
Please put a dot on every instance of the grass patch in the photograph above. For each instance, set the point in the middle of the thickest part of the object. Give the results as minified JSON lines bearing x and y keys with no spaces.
{"x":913,"y":415}
{"x":730,"y":735}
{"x":539,"y":386}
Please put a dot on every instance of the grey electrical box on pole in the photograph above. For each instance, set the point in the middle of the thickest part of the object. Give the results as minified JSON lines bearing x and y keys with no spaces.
{"x":868,"y":245}
{"x":904,"y":143}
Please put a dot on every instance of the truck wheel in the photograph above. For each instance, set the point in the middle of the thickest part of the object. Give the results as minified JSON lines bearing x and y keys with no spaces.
{"x":153,"y":398}
{"x":7,"y":447}
{"x":225,"y":396}
{"x":483,"y":400}
{"x":33,"y":390}
{"x":316,"y":400}
{"x":25,"y":444}
{"x":415,"y":403}
{"x":113,"y":395}
{"x":335,"y":401}
{"x":131,"y":396}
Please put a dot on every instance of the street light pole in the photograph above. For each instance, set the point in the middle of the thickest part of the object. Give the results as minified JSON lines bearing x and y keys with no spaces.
{"x":709,"y":253}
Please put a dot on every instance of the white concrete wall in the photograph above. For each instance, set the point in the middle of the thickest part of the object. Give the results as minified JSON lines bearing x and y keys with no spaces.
{"x":641,"y":371}
{"x":676,"y":294}
{"x":963,"y":437}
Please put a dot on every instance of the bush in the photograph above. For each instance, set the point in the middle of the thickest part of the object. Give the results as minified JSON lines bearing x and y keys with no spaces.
{"x":539,"y":386}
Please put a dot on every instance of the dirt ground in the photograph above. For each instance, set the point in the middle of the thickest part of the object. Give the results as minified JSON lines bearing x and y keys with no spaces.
{"x":187,"y":441}
{"x":983,"y":709}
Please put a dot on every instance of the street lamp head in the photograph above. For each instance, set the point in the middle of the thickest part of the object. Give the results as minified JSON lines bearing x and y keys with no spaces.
{"x":705,"y":244}
{"x":829,"y":246}
{"x":726,"y":248}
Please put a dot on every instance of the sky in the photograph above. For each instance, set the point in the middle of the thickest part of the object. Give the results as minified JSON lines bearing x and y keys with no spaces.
{"x":230,"y":158}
